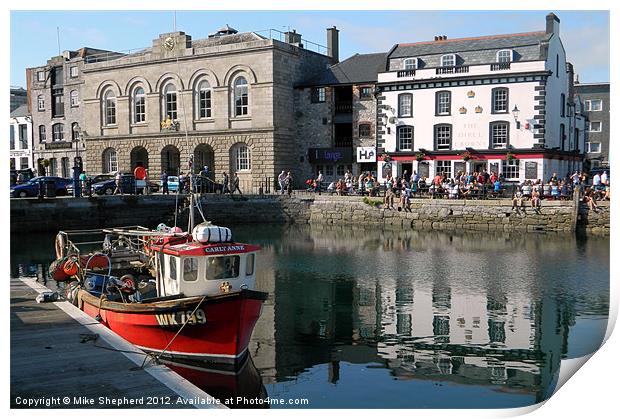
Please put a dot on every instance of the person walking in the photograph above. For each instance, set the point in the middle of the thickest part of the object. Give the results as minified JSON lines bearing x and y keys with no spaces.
{"x":83,"y":183}
{"x":225,"y":188}
{"x":288,"y":183}
{"x":164,"y":183}
{"x":235,"y":184}
{"x":282,"y":181}
{"x":319,"y":179}
{"x":117,"y":180}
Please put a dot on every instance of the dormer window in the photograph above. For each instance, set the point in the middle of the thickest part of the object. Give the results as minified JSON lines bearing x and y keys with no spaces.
{"x":448,"y":60}
{"x":504,"y":56}
{"x":410,"y":64}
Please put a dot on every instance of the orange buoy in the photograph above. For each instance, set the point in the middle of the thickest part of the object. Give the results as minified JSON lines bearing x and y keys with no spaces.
{"x":70,"y":267}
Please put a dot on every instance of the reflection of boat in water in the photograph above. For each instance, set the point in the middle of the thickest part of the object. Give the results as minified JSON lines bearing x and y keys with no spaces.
{"x":235,"y":388}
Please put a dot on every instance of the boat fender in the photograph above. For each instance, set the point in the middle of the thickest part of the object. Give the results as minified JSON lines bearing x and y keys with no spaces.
{"x":72,"y":293}
{"x":61,"y":246}
{"x":70,"y":267}
{"x":56,"y":271}
{"x":128,"y":284}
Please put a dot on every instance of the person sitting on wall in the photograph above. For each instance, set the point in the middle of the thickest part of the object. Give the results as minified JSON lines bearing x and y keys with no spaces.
{"x":588,"y":198}
{"x":332,"y":187}
{"x":535,"y":199}
{"x":517,"y":200}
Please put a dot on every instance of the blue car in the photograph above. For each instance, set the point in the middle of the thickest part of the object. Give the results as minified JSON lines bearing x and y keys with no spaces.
{"x":31,"y":188}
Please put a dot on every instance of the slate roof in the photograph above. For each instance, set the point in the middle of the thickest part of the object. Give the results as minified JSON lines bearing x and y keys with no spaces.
{"x":20,"y":111}
{"x":359,"y":68}
{"x":495,"y":42}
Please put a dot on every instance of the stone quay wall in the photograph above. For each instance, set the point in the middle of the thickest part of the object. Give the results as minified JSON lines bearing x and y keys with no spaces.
{"x":594,"y":222}
{"x":443,"y":215}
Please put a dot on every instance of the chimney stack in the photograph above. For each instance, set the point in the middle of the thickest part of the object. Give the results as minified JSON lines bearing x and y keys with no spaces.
{"x":553,"y":24}
{"x":293,"y":38}
{"x":332,"y":44}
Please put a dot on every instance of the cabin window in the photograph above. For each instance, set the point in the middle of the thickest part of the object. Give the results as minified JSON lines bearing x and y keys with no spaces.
{"x":172,"y":268}
{"x":249,"y":265}
{"x":190,"y":269}
{"x":223,"y":267}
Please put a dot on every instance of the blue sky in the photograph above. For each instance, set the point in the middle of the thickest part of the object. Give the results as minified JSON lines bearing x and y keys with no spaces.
{"x":585,"y":34}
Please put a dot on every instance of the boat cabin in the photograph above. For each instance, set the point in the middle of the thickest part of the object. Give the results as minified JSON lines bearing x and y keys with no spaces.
{"x":205,"y":269}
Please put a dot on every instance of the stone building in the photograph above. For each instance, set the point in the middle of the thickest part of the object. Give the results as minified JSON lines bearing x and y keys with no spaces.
{"x":595,"y":97}
{"x":226,"y":100}
{"x":54,"y":97}
{"x":336,"y":117}
{"x":500,"y":103}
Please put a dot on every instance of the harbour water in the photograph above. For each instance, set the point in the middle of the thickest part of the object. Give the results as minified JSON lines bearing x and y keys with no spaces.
{"x":363,"y":318}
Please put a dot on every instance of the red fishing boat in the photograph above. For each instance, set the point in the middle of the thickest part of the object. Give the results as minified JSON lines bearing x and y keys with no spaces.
{"x":180,"y":295}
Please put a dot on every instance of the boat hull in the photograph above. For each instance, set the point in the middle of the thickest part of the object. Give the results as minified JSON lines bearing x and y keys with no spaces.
{"x":214,"y":329}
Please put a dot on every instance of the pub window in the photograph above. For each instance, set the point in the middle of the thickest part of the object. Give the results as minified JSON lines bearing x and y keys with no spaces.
{"x":443,"y":167}
{"x":499,"y":134}
{"x":448,"y":60}
{"x":499,"y":100}
{"x":405,"y":138}
{"x":364,"y":130}
{"x":504,"y":56}
{"x":405,"y":101}
{"x":410,"y":64}
{"x":443,"y":137}
{"x":443,"y":103}
{"x":510,"y":169}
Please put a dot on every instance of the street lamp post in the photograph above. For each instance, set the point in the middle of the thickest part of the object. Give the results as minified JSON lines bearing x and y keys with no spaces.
{"x":77,"y":164}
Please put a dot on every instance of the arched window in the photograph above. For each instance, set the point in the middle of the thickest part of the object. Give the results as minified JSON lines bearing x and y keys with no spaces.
{"x":240,"y":87}
{"x":139,"y":105}
{"x":170,"y":102}
{"x":448,"y":60}
{"x":58,"y":132}
{"x":504,"y":56}
{"x":75,"y":100}
{"x":241,"y":157}
{"x":109,"y":108}
{"x":41,"y":103}
{"x":110,"y":162}
{"x":203,"y":100}
{"x":410,"y":63}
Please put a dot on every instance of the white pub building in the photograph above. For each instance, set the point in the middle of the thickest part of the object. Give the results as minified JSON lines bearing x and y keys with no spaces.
{"x":500,"y":103}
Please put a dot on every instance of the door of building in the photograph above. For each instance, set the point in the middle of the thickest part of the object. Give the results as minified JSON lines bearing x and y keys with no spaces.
{"x":479,"y":166}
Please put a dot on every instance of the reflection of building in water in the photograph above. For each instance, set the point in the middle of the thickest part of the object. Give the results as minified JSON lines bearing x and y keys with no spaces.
{"x":429,"y":306}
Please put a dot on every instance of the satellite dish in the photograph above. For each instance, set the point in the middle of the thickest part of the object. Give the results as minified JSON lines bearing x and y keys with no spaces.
{"x":392,"y":120}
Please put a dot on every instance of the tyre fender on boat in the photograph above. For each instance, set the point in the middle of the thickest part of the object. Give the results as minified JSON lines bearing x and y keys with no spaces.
{"x":128,"y":284}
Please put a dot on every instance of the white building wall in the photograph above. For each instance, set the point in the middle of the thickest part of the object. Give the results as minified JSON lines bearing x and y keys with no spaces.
{"x":469,"y":129}
{"x":19,"y":152}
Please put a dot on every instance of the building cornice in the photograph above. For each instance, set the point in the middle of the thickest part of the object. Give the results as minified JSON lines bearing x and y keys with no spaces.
{"x":171,"y":134}
{"x":545,"y":73}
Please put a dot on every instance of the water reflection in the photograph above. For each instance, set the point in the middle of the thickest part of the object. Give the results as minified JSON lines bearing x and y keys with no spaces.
{"x":428,"y":319}
{"x":492,"y":311}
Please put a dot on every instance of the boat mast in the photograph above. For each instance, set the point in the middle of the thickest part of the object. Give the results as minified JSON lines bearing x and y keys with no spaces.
{"x":190,"y":227}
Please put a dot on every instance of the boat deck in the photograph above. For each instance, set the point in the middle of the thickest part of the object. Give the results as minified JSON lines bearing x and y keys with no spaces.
{"x":56,"y":363}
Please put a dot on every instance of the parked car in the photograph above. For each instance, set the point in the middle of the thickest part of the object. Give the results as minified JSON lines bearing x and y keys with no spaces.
{"x":173,"y":183}
{"x":107,"y":187}
{"x":93,"y":180}
{"x":31,"y":188}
